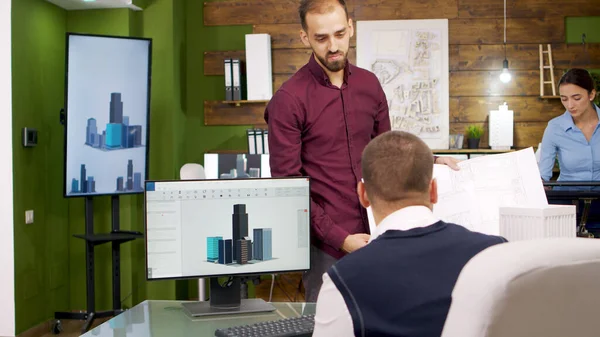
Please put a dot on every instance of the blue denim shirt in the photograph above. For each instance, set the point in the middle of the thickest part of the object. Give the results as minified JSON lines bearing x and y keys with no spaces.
{"x":579,"y":159}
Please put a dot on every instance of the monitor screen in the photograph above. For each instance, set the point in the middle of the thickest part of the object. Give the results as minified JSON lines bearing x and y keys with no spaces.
{"x":107,"y":108}
{"x":226,"y":227}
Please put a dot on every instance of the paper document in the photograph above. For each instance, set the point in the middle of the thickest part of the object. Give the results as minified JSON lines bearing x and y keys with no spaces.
{"x":472,"y":196}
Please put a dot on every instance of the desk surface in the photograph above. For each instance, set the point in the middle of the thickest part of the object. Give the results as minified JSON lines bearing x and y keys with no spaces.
{"x":572,"y":189}
{"x":471,"y":151}
{"x":167,"y":319}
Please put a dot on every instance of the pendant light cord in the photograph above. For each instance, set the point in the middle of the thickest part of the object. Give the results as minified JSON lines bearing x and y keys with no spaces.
{"x":505,"y":29}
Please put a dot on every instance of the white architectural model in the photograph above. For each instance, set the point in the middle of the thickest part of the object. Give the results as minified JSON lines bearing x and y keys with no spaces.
{"x":501,"y":128}
{"x":410,"y":59}
{"x":259,"y":68}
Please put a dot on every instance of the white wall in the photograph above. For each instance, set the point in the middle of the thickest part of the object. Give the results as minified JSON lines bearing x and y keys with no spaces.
{"x":7,"y":261}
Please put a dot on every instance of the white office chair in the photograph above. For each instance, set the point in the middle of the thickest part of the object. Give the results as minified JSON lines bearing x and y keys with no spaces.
{"x":191,"y":171}
{"x":534,"y":288}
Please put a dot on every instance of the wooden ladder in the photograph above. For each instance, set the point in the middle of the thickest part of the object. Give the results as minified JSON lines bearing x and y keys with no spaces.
{"x":546,"y":66}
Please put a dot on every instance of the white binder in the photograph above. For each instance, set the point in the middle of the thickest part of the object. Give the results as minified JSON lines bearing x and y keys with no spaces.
{"x":259,"y":71}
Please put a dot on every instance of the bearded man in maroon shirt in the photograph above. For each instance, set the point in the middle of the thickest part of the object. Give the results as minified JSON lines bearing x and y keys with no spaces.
{"x":320,"y":120}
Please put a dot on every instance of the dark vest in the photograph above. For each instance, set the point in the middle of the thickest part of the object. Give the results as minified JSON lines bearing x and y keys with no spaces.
{"x":401,"y":283}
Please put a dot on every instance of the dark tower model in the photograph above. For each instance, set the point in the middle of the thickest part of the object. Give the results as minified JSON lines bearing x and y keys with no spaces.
{"x":130,"y":175}
{"x":116,"y":108}
{"x":240,"y":226}
{"x":83,"y":180}
{"x":225,"y":251}
{"x":257,"y":246}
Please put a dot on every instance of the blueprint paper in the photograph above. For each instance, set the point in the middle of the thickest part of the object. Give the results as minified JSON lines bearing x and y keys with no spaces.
{"x":472,"y":196}
{"x":410,"y":59}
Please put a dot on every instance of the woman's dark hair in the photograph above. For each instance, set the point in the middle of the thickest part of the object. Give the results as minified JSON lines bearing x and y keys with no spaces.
{"x":579,"y":77}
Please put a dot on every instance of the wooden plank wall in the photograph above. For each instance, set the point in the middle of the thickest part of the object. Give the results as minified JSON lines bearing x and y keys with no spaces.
{"x":476,"y":51}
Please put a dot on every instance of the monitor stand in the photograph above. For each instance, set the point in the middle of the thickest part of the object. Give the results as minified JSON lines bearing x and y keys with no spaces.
{"x":225,"y":299}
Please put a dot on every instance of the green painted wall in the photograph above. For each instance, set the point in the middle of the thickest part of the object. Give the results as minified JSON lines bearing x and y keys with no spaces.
{"x":588,"y":25}
{"x":198,"y":137}
{"x":161,"y":21}
{"x":50,"y":263}
{"x":41,"y":248}
{"x":100,"y":21}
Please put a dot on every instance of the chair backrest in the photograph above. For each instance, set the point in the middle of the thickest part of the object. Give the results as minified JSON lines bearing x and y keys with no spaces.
{"x":192,"y":171}
{"x":536,"y":288}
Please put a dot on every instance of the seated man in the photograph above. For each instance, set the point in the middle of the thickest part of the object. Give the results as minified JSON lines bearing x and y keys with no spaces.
{"x":401,"y":283}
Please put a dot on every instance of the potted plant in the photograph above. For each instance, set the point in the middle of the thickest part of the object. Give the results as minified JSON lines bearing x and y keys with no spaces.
{"x":474,"y":133}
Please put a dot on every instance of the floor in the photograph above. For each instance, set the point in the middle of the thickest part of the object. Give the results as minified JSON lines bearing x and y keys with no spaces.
{"x":287,"y":288}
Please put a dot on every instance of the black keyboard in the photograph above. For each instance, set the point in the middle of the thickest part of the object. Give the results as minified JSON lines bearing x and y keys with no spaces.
{"x":294,"y":326}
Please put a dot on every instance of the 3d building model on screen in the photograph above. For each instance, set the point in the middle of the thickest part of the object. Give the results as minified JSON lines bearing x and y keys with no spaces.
{"x":106,"y":113}
{"x":240,"y":170}
{"x":130,"y":183}
{"x":240,"y":250}
{"x":119,"y":134}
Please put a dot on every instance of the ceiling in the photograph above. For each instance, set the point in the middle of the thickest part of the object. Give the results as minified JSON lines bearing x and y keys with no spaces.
{"x":97,"y":4}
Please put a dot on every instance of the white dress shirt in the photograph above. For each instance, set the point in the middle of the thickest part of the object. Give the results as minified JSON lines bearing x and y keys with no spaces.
{"x":332,"y":316}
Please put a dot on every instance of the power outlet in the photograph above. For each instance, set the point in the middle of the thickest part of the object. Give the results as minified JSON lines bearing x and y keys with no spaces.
{"x":29,"y":216}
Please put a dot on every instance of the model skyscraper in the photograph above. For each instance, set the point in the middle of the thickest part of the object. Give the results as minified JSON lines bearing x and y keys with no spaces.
{"x":225,"y":256}
{"x":119,"y":134}
{"x":240,"y":249}
{"x":240,"y":170}
{"x":88,"y":184}
{"x":239,"y":226}
{"x":212,"y":246}
{"x":263,"y":244}
{"x":243,"y":250}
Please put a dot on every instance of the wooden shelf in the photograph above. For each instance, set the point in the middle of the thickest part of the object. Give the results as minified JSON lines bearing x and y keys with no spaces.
{"x":239,"y":103}
{"x":453,"y":151}
{"x":230,"y":113}
{"x":228,"y":151}
{"x":549,"y":97}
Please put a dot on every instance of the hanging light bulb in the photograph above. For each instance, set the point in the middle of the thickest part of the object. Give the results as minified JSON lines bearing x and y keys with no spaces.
{"x":505,"y":76}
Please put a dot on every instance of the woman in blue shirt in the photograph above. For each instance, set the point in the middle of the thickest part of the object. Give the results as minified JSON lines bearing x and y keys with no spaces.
{"x":574,"y":135}
{"x":575,"y":138}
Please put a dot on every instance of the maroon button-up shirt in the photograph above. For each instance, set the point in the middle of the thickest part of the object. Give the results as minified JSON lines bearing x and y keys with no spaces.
{"x":319,"y":130}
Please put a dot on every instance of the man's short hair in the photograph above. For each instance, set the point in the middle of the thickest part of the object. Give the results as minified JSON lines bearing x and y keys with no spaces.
{"x":396,"y":164}
{"x":318,"y":6}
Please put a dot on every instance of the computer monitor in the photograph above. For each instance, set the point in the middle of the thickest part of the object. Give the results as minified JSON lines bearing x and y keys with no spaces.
{"x":107,"y":109}
{"x":223,"y":229}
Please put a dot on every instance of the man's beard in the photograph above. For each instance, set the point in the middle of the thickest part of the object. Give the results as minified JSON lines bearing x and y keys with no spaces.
{"x":334,"y":66}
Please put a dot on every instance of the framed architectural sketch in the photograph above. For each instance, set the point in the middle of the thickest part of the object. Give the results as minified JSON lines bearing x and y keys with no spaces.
{"x":410,"y":59}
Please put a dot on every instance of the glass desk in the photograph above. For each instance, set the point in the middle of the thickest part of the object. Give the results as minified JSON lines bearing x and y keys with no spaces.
{"x":167,"y":319}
